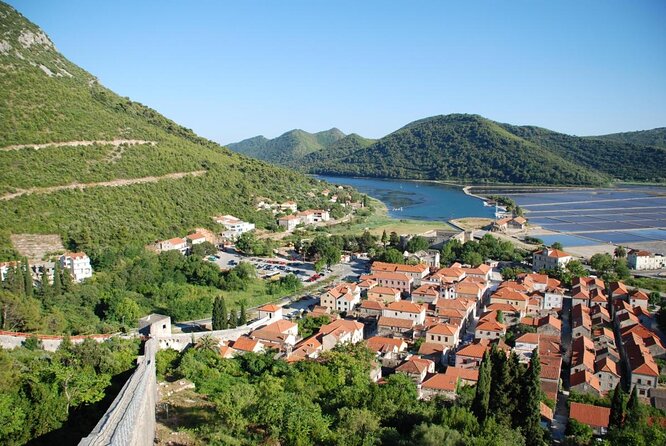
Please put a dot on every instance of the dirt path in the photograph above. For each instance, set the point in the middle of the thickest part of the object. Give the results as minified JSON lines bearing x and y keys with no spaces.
{"x":114,"y":142}
{"x":113,"y":183}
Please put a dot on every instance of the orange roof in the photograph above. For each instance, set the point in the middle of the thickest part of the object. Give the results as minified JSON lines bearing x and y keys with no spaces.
{"x":176,"y":241}
{"x":415,"y":365}
{"x":529,"y":338}
{"x":444,"y":329}
{"x":195,"y":236}
{"x":556,"y":253}
{"x":584,"y":376}
{"x":426,"y":290}
{"x":606,"y":365}
{"x":459,"y":372}
{"x":341,"y":325}
{"x":502,"y":307}
{"x":245,"y":344}
{"x":79,"y":255}
{"x":372,"y":305}
{"x":429,"y":348}
{"x":490,"y":325}
{"x":395,"y":322}
{"x":638,"y":295}
{"x":550,"y":320}
{"x":474,"y":350}
{"x":342,"y":289}
{"x":405,"y":307}
{"x":595,"y":416}
{"x":383,"y":290}
{"x":281,"y":326}
{"x":399,"y":268}
{"x":270,"y":308}
{"x":459,"y":303}
{"x":508,"y":294}
{"x":546,"y":412}
{"x":441,"y":381}
{"x":382,"y":344}
{"x":383,"y":275}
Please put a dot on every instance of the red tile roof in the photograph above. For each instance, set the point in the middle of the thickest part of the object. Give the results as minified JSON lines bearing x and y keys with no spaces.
{"x":595,"y":416}
{"x":395,"y":322}
{"x":464,"y":374}
{"x":441,"y":381}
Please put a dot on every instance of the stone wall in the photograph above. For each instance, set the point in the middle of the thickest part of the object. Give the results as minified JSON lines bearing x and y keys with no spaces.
{"x":13,"y":339}
{"x":179,"y":341}
{"x":130,"y":421}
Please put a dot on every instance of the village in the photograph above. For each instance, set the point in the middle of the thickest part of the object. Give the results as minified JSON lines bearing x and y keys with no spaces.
{"x":435,"y":324}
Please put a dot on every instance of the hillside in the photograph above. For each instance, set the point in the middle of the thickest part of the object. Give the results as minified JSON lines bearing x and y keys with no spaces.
{"x":65,"y":140}
{"x":340,"y":148}
{"x":470,"y":148}
{"x":289,"y":148}
{"x":654,"y":137}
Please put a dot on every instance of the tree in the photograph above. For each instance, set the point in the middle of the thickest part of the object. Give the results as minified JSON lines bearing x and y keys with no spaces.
{"x":557,"y":245}
{"x":530,"y":403}
{"x":633,"y":417}
{"x":394,"y":239}
{"x":27,"y":277}
{"x":417,"y":243}
{"x":601,"y":263}
{"x":578,"y":434}
{"x":500,"y":399}
{"x":392,"y":255}
{"x":654,"y":297}
{"x":500,"y":317}
{"x":482,"y":396}
{"x":622,"y":269}
{"x":233,"y":319}
{"x":32,"y":343}
{"x":472,"y":258}
{"x":57,"y":280}
{"x":620,"y":252}
{"x":617,"y":408}
{"x":207,"y":342}
{"x":242,"y":317}
{"x":384,"y":239}
{"x":219,"y":318}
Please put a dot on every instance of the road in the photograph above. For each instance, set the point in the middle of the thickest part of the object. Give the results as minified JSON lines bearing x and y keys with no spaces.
{"x":341,"y":271}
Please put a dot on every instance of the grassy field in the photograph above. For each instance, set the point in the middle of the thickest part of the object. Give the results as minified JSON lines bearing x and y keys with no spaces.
{"x":379,"y":221}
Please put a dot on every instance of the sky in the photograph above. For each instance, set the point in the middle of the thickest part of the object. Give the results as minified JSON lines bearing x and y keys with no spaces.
{"x":231,"y":70}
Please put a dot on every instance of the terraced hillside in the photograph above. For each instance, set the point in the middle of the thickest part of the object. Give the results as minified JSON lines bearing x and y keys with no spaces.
{"x":64,"y":138}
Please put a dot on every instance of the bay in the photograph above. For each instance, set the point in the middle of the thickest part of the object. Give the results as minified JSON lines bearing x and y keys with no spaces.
{"x":417,"y":200}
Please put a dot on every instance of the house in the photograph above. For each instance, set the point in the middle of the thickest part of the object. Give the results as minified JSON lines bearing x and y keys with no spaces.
{"x":585,"y":381}
{"x":78,"y":265}
{"x":439,"y":384}
{"x":173,"y":244}
{"x":306,"y":217}
{"x":234,"y":226}
{"x":429,"y":258}
{"x":444,"y":334}
{"x":247,"y":344}
{"x":400,"y":281}
{"x":608,"y":373}
{"x":550,"y":259}
{"x":311,"y":348}
{"x":416,"y":272}
{"x":599,"y":315}
{"x":290,"y":205}
{"x":470,"y":289}
{"x":509,"y":224}
{"x":386,"y":346}
{"x":489,"y":329}
{"x":471,"y":355}
{"x":341,"y":331}
{"x":464,"y":375}
{"x":637,"y":298}
{"x":581,"y":323}
{"x":387,"y":326}
{"x":371,"y":308}
{"x":525,"y":346}
{"x":515,"y":298}
{"x":155,"y":325}
{"x":425,"y":294}
{"x":641,"y":260}
{"x":643,"y":370}
{"x":549,"y":325}
{"x":195,"y":238}
{"x":272,"y":312}
{"x":384,"y":294}
{"x":647,"y":337}
{"x":582,"y":354}
{"x":320,"y":215}
{"x":405,"y":310}
{"x":289,"y":222}
{"x":482,"y":271}
{"x":618,"y":290}
{"x":596,"y":417}
{"x":281,"y":334}
{"x":538,"y":282}
{"x":342,"y":297}
{"x":416,"y":368}
{"x":227,"y":352}
{"x":603,"y":337}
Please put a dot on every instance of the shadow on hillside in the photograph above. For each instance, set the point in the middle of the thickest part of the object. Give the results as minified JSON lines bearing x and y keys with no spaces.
{"x":82,"y":420}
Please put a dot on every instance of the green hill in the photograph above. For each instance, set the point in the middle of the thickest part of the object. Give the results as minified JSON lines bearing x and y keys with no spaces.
{"x":168,"y":180}
{"x":340,"y":148}
{"x":470,"y":148}
{"x":654,"y":137}
{"x":289,"y":148}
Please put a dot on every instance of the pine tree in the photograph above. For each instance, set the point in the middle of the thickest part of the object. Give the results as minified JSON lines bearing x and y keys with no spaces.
{"x":219,"y":320}
{"x":27,"y":278}
{"x":233,"y":320}
{"x":242,"y":316}
{"x":57,"y":280}
{"x":516,"y":371}
{"x":500,"y":398}
{"x":530,"y":403}
{"x":633,"y":410}
{"x":45,"y":286}
{"x":66,"y":280}
{"x":617,"y":408}
{"x":482,"y":395}
{"x":384,"y":238}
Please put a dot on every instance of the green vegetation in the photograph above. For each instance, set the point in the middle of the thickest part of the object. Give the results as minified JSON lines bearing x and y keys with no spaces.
{"x":307,"y":326}
{"x":256,"y":399}
{"x":654,"y":137}
{"x":78,"y":108}
{"x":40,"y":390}
{"x":288,"y":148}
{"x":472,"y":149}
{"x":475,"y":252}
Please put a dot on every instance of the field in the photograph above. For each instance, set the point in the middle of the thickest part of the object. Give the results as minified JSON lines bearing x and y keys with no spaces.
{"x":633,"y":216}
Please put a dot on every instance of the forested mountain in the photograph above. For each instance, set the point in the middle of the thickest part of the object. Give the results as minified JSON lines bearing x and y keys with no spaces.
{"x":340,"y":148}
{"x":289,"y":148}
{"x":169,"y":180}
{"x":470,"y":148}
{"x":654,"y":137}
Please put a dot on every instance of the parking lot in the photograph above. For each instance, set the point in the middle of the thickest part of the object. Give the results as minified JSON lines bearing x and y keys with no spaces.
{"x":269,"y":267}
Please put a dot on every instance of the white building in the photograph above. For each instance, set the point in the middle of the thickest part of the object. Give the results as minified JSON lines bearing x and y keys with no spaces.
{"x":78,"y":264}
{"x":234,"y":226}
{"x":645,"y":260}
{"x":289,"y":222}
{"x":405,"y":310}
{"x":550,"y":259}
{"x":289,"y":206}
{"x":173,"y":244}
{"x":196,"y":238}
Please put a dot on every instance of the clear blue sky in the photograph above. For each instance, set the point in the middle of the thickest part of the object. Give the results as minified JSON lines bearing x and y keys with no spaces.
{"x":235,"y":69}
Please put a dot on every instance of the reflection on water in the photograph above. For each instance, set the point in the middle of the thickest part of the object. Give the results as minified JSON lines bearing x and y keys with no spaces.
{"x":417,"y":200}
